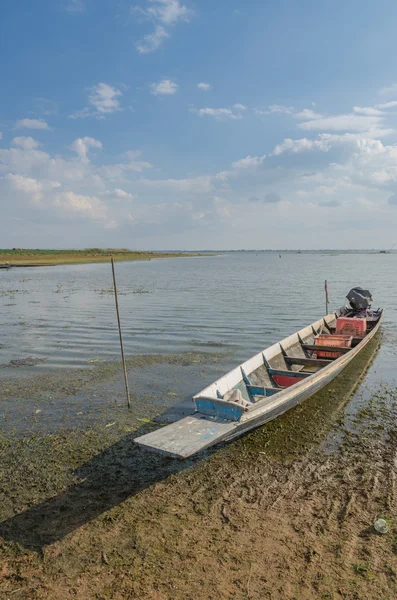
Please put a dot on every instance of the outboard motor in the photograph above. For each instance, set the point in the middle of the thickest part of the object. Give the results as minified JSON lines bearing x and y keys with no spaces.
{"x":359,"y":299}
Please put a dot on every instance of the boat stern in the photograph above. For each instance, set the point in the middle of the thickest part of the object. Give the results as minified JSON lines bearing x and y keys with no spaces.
{"x":221,"y":409}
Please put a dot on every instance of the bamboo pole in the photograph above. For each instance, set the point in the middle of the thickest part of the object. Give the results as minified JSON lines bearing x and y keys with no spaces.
{"x":120,"y":336}
{"x":326,"y":296}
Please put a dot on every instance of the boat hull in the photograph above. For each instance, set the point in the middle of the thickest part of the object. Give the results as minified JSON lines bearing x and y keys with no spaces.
{"x":190,"y":435}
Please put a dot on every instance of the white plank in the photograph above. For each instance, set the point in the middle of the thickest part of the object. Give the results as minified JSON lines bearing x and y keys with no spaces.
{"x":187,"y":436}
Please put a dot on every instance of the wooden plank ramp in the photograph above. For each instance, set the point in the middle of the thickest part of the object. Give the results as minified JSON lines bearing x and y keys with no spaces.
{"x":187,"y":436}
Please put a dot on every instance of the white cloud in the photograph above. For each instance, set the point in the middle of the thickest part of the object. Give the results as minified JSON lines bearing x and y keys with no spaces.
{"x":121,"y":171}
{"x":103,"y":99}
{"x":118,"y":193}
{"x":152,"y":41}
{"x":41,"y":194}
{"x":325,"y":141}
{"x":20,"y":160}
{"x":83,"y":114}
{"x":365,"y":164}
{"x":302,"y":145}
{"x":34,"y":189}
{"x":222,"y":208}
{"x":391,"y":104}
{"x":275,"y":109}
{"x":70,"y":187}
{"x":330,"y":186}
{"x":368,"y":111}
{"x":82,"y":146}
{"x":196,"y":185}
{"x":383,"y":176}
{"x":353,"y":170}
{"x":279,"y":109}
{"x":89,"y":207}
{"x":218,"y":113}
{"x":27,"y":143}
{"x":133,"y":164}
{"x":27,"y":185}
{"x":391,"y":90}
{"x":362,"y":118}
{"x":164,"y":14}
{"x":164,"y":87}
{"x":349,"y":122}
{"x":240,"y":107}
{"x":205,"y":87}
{"x":249,"y":162}
{"x":307,"y":113}
{"x":31,"y":124}
{"x":168,"y":12}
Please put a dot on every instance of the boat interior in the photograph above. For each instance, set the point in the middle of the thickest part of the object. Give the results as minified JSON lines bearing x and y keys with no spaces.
{"x":286,"y":363}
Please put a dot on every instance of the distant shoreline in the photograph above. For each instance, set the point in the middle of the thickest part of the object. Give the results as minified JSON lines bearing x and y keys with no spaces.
{"x":284,"y":251}
{"x":38,"y":258}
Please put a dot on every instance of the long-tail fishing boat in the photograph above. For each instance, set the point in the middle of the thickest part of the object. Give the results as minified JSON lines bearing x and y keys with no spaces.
{"x":271,"y":382}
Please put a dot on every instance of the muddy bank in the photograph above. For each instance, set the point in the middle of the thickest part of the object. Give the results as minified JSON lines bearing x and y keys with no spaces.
{"x":284,"y":513}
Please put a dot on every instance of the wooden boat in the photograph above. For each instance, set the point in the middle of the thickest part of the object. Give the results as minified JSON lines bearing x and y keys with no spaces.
{"x":265,"y":386}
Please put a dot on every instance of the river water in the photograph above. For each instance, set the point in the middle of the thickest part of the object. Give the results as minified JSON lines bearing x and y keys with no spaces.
{"x":239,"y":301}
{"x":62,"y":320}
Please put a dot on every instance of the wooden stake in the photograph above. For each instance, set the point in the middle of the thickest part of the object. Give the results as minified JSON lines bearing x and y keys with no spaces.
{"x":121,"y":337}
{"x":326,"y":296}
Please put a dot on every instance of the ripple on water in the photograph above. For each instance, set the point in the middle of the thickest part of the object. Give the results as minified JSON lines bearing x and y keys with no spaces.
{"x":66,"y":314}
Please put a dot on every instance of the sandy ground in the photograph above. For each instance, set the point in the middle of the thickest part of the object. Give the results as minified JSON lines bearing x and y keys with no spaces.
{"x":285,"y":513}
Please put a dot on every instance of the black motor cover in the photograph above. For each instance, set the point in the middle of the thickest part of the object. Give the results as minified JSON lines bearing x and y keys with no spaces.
{"x":359,"y":298}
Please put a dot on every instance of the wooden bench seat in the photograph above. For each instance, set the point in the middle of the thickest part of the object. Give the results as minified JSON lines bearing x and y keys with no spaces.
{"x":256,"y":390}
{"x":307,"y":362}
{"x":325,"y":348}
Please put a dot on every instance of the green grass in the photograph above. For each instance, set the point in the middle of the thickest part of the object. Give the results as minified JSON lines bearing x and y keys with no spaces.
{"x":54,"y":257}
{"x":364,"y":570}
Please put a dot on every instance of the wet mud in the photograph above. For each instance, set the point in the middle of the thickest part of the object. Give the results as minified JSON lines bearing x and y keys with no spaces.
{"x":285,"y":512}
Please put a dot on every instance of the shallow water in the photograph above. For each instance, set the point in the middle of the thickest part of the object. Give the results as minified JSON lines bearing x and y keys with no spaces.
{"x":232,"y":305}
{"x":238,"y":301}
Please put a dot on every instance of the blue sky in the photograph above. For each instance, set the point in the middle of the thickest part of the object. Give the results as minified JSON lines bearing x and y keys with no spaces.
{"x":164,"y":124}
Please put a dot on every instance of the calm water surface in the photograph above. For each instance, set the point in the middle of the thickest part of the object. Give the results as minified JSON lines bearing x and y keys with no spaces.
{"x":239,"y":301}
{"x":232,"y":304}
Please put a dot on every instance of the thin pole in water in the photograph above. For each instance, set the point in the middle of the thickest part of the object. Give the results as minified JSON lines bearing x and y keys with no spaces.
{"x":121,"y":337}
{"x":326,"y":296}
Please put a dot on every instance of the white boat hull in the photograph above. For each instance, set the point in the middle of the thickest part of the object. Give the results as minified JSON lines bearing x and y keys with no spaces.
{"x":202,"y":430}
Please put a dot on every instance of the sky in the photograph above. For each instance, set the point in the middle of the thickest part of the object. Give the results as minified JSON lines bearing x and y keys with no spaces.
{"x":187,"y":124}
